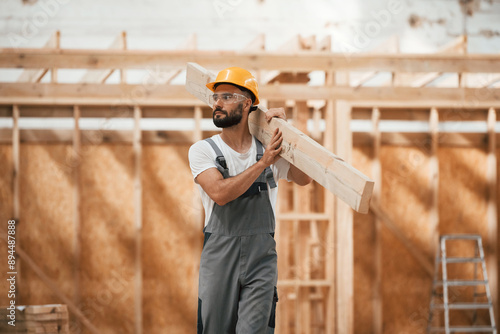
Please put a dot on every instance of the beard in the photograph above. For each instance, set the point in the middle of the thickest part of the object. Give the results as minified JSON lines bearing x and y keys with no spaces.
{"x":229,"y":120}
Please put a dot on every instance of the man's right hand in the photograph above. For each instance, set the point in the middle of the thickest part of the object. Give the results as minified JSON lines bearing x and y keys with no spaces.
{"x":273,"y":149}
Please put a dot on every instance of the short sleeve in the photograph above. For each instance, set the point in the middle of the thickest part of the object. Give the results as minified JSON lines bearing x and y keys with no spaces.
{"x":201,"y":158}
{"x":280,"y":169}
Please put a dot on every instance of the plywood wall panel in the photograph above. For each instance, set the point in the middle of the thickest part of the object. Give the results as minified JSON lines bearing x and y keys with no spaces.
{"x":172,"y":241}
{"x":364,"y":243}
{"x":45,"y":230}
{"x":107,"y":237}
{"x":463,"y":209}
{"x":405,"y":197}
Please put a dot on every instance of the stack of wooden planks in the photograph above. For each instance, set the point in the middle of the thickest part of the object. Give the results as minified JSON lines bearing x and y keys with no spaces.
{"x":35,"y":319}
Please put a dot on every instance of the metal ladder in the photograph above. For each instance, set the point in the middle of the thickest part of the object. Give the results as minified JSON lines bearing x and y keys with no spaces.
{"x":446,"y":305}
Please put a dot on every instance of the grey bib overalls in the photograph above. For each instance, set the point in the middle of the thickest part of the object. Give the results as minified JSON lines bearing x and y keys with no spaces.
{"x":238,"y":270}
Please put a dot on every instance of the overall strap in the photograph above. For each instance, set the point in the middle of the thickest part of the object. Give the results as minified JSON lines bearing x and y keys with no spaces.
{"x":220,"y":161}
{"x":268,"y":171}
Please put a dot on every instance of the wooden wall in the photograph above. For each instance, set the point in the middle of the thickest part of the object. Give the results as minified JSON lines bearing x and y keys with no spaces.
{"x":172,"y":239}
{"x":171,"y":235}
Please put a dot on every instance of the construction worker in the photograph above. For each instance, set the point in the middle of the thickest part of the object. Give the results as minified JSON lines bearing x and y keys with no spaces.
{"x":237,"y":179}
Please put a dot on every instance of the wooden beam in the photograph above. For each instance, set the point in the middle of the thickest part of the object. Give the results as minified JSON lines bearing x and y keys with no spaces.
{"x":301,"y":204}
{"x":16,"y":193}
{"x":53,"y":69}
{"x":76,"y":161}
{"x":323,"y":166}
{"x":434,"y":181}
{"x":492,"y":210}
{"x":186,"y":137}
{"x":344,"y":238}
{"x":15,"y":161}
{"x":131,"y":94}
{"x":138,"y":219}
{"x":310,"y":60}
{"x":329,"y":204}
{"x":377,"y":192}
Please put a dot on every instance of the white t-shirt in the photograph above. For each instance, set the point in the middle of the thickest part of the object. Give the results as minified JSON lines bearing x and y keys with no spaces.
{"x":202,"y":157}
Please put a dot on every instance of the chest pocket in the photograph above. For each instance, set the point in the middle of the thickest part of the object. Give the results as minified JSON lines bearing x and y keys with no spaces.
{"x":260,"y":184}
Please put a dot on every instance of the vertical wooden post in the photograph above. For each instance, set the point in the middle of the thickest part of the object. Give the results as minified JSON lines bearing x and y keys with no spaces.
{"x":301,"y":231}
{"x":53,"y":71}
{"x":434,"y":181}
{"x":331,"y":306}
{"x":492,"y":214}
{"x":123,"y":73}
{"x":377,"y":191}
{"x":76,"y":204}
{"x":344,"y":228}
{"x":138,"y":218}
{"x":15,"y":161}
{"x":16,"y":143}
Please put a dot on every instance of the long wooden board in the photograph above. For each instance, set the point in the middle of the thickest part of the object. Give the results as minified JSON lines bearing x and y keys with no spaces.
{"x":329,"y":170}
{"x":282,"y":61}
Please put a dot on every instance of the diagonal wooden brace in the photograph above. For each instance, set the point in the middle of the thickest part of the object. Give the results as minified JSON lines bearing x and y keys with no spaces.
{"x":333,"y":173}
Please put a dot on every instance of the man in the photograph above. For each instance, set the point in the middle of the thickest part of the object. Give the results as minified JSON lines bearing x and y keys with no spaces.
{"x":238,"y":179}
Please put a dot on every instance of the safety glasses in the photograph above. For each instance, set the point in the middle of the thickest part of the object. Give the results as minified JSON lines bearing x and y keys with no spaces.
{"x":227,"y":98}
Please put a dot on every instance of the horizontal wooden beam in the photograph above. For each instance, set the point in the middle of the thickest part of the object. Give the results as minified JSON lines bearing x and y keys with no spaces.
{"x":185,"y":137}
{"x":283,"y":61}
{"x":128,"y":94}
{"x":329,"y":170}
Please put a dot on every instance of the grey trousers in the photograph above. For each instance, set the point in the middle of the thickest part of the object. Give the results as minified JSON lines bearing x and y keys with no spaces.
{"x":237,"y":288}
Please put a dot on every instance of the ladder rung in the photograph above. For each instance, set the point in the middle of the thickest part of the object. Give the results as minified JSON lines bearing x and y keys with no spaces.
{"x":459,"y":329}
{"x":460,"y":259}
{"x":462,"y":282}
{"x":463,"y":306}
{"x":461,"y":237}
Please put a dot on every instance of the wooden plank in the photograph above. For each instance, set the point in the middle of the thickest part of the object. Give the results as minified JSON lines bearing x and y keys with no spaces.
{"x":437,"y":103}
{"x":492,"y":211}
{"x":15,"y":161}
{"x":138,"y":219}
{"x":53,"y":69}
{"x":377,"y":192}
{"x":16,"y":193}
{"x":76,"y":156}
{"x":434,"y":181}
{"x":344,"y":239}
{"x":323,"y":166}
{"x":310,"y":60}
{"x":416,"y":139}
{"x":302,"y":200}
{"x":130,"y":94}
{"x":329,"y":204}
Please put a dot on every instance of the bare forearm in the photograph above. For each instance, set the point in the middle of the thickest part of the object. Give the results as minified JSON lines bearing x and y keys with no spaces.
{"x":298,"y":176}
{"x":231,"y":188}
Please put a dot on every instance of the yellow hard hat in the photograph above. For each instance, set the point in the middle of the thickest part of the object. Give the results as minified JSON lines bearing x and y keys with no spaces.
{"x":239,"y":77}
